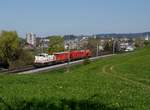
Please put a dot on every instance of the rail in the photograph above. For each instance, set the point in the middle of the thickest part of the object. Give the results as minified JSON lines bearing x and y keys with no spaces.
{"x":58,"y":66}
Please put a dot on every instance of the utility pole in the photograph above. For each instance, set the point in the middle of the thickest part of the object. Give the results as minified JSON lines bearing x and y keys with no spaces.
{"x":114,"y":43}
{"x":42,"y":45}
{"x":97,"y":50}
{"x":69,"y":58}
{"x":68,"y":65}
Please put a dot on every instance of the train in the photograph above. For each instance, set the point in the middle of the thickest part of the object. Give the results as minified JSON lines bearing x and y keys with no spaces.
{"x":44,"y":59}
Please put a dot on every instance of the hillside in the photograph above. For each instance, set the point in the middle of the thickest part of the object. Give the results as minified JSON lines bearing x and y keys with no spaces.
{"x":110,"y":35}
{"x":118,"y":82}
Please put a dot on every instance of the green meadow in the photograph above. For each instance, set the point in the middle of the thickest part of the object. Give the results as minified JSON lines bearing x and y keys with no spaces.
{"x":120,"y":82}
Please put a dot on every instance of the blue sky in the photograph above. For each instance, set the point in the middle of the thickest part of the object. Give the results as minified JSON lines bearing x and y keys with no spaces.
{"x":48,"y":17}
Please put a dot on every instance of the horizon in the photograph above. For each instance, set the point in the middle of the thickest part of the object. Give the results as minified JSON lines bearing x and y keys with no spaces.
{"x":37,"y":35}
{"x":68,"y":17}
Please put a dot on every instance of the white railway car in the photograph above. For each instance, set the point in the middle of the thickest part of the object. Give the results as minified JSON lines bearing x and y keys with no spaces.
{"x":44,"y":59}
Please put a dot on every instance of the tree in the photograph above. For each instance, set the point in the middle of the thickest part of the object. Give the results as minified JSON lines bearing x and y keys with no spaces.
{"x":146,"y":43}
{"x":56,"y":44}
{"x":139,"y":43}
{"x":108,"y":46}
{"x":117,"y":47}
{"x":9,"y":46}
{"x":26,"y":58}
{"x":93,"y":44}
{"x":11,"y":50}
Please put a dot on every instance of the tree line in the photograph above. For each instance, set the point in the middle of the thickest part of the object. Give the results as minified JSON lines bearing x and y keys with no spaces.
{"x":12,"y":54}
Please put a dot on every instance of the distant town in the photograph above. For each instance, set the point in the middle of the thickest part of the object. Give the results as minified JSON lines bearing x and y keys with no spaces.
{"x":123,"y":42}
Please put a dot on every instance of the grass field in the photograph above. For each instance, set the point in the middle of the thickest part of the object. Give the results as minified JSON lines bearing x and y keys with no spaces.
{"x":120,"y":82}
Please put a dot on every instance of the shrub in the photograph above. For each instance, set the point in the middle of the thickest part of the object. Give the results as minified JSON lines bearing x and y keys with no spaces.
{"x":146,"y":43}
{"x":26,"y":58}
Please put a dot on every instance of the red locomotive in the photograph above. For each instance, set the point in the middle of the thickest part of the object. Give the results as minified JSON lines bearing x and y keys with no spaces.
{"x":45,"y":59}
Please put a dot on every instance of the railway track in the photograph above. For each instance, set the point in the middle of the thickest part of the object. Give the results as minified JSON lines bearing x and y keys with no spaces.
{"x":17,"y":70}
{"x":58,"y":66}
{"x":31,"y":69}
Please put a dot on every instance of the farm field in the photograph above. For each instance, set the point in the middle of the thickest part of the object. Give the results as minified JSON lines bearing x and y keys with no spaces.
{"x":120,"y":82}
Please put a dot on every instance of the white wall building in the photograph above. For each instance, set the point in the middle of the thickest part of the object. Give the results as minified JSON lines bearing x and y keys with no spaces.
{"x":44,"y":42}
{"x":31,"y":39}
{"x":147,"y":37}
{"x":73,"y":44}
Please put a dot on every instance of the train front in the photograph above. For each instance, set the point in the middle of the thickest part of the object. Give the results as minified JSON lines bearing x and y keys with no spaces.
{"x":44,"y":59}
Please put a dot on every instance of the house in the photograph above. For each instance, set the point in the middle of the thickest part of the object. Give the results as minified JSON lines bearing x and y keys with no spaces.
{"x":71,"y":44}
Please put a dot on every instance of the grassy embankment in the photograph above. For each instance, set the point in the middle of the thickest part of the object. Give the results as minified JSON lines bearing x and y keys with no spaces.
{"x":118,"y":82}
